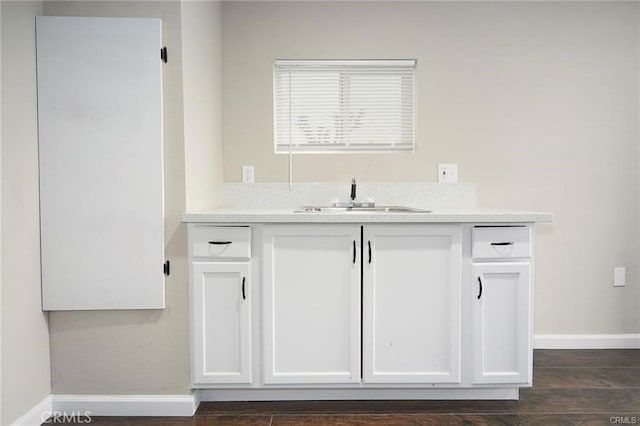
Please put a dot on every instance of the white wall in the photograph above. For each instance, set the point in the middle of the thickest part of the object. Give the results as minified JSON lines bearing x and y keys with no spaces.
{"x":135,"y":352}
{"x":202,"y":87}
{"x":25,"y":363}
{"x":536,"y":101}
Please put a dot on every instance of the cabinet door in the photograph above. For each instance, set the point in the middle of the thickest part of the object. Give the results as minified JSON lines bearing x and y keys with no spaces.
{"x":311,"y":304}
{"x":100,"y":158}
{"x":221,"y":323}
{"x":501,"y":322}
{"x":412,"y":301}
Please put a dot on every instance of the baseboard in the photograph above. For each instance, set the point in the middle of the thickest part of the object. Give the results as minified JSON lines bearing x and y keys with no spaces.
{"x":510,"y":393}
{"x":127,"y":405}
{"x":197,"y":398}
{"x":37,"y":415}
{"x":586,"y":341}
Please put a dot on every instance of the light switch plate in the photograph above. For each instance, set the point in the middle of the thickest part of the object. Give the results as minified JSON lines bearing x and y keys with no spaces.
{"x":247,"y":174}
{"x":447,"y":173}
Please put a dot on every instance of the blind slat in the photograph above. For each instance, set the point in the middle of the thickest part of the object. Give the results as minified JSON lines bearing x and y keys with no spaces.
{"x":323,"y":106}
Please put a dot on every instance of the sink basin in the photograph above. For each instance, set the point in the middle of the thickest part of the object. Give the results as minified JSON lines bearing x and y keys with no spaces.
{"x":377,"y":209}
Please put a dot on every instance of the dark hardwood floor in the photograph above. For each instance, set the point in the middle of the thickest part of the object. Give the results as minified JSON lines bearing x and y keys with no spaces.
{"x":570,"y":387}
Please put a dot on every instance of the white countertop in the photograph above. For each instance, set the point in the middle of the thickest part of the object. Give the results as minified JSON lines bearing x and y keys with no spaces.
{"x":288,"y":216}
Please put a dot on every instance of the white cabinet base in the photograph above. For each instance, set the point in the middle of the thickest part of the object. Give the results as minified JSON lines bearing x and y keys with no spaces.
{"x":308,"y":284}
{"x":507,"y":393}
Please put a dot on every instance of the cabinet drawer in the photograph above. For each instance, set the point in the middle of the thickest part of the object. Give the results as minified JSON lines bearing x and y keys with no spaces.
{"x":220,"y":242}
{"x":501,"y":242}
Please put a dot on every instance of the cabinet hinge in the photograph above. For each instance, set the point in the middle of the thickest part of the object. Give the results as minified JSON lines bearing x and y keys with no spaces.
{"x":163,"y":54}
{"x":166,"y":268}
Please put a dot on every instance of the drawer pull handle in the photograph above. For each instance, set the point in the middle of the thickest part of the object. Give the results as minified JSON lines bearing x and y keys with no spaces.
{"x":354,"y":252}
{"x":504,"y":243}
{"x":220,"y":243}
{"x":244,"y":296}
{"x":480,"y":288}
{"x":369,"y":244}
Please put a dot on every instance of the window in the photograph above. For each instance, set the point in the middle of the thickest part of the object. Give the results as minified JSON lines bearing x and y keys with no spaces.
{"x":344,"y":106}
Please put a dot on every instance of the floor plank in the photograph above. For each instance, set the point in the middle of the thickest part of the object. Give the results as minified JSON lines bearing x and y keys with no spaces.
{"x":579,"y":401}
{"x":590,"y":377}
{"x":232,"y":420}
{"x":573,"y":358}
{"x":422,"y":420}
{"x":128,"y":421}
{"x":604,"y":419}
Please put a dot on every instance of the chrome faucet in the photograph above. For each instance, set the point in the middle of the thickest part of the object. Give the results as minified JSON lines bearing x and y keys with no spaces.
{"x":353,"y":191}
{"x":352,"y":202}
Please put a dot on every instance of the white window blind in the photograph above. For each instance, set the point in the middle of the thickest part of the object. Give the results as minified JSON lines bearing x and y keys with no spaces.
{"x":336,"y":106}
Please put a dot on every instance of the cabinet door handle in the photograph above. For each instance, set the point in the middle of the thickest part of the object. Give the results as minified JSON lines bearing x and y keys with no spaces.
{"x":354,"y":252}
{"x":244,"y":296}
{"x":220,"y":243}
{"x":369,"y":244}
{"x":480,"y":288}
{"x":503,"y":243}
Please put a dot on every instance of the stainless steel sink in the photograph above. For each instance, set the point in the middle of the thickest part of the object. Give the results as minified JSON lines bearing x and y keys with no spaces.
{"x":376,"y":209}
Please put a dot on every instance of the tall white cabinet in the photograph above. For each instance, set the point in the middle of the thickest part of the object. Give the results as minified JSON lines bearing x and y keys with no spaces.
{"x":311,"y":304}
{"x":412,"y":302}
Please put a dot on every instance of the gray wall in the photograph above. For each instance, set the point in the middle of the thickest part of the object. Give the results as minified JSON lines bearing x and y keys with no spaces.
{"x":25,"y":367}
{"x":537,"y":102}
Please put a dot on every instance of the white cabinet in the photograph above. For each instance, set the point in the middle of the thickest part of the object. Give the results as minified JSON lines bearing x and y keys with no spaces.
{"x":311,"y":306}
{"x":222,"y":309}
{"x":500,"y":320}
{"x":361,"y":310}
{"x":412,"y":304}
{"x":221,"y":298}
{"x":500,"y":295}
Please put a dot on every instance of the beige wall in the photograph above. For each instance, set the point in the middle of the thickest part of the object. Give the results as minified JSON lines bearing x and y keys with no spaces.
{"x":135,"y":352}
{"x":536,"y":102}
{"x":1,"y":411}
{"x":25,"y":364}
{"x":202,"y":84}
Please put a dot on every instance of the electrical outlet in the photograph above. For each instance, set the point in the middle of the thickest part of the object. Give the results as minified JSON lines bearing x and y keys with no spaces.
{"x":247,"y":174}
{"x":447,"y":173}
{"x":619,"y":276}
